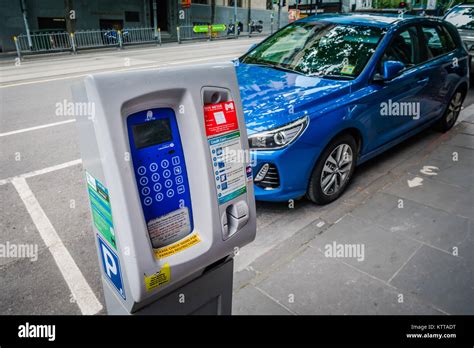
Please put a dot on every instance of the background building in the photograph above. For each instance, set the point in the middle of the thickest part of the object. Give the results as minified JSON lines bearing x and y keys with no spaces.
{"x":56,"y":15}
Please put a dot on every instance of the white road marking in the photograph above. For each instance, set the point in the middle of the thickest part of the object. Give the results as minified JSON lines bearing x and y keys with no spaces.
{"x":80,"y":289}
{"x":42,"y":171}
{"x":37,"y":127}
{"x":429,"y":170}
{"x":416,"y":181}
{"x":154,"y":65}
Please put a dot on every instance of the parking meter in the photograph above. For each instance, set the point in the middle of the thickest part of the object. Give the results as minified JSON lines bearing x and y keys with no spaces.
{"x":169,"y":184}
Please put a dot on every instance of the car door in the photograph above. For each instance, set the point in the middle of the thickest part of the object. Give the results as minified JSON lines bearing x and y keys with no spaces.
{"x":395,"y":106}
{"x":441,"y":67}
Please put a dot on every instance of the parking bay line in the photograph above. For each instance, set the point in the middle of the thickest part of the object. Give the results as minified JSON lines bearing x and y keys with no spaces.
{"x":37,"y":127}
{"x":80,"y":289}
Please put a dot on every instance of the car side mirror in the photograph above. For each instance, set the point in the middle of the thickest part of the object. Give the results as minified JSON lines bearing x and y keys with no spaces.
{"x":391,"y":68}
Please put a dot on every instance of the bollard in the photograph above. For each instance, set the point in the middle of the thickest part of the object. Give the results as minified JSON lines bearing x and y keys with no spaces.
{"x":209,"y":31}
{"x":73,"y":43}
{"x":119,"y":33}
{"x":159,"y":36}
{"x":18,"y":52}
{"x":177,"y":33}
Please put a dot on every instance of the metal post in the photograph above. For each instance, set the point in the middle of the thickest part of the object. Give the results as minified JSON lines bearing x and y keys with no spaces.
{"x":178,"y":34}
{"x":159,"y":36}
{"x":119,"y":33}
{"x":209,"y":32}
{"x":280,"y":3}
{"x":155,"y":19}
{"x":272,"y":15}
{"x":235,"y":18}
{"x":18,"y":52}
{"x":25,"y":20}
{"x":73,"y":43}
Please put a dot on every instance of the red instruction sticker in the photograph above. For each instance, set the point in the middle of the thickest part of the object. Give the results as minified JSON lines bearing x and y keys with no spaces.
{"x":220,"y":118}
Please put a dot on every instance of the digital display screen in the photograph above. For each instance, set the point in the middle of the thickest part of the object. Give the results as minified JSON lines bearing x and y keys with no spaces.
{"x":152,"y":133}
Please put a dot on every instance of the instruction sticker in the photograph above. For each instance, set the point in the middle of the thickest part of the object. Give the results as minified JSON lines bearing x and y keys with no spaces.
{"x":348,"y":69}
{"x":229,"y":172}
{"x":220,"y":118}
{"x":178,"y":246}
{"x":159,"y":278}
{"x":169,"y":228}
{"x":101,"y":211}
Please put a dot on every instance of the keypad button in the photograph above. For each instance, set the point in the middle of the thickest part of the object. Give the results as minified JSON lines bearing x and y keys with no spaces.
{"x":180,"y":189}
{"x":143,"y":180}
{"x":141,"y":170}
{"x":157,"y":187}
{"x":165,"y":164}
{"x":146,"y":191}
{"x":175,"y":160}
{"x":179,"y":180}
{"x":170,"y":193}
{"x":153,"y":167}
{"x":168,"y":183}
{"x":177,"y":170}
{"x":159,"y":197}
{"x":147,"y":201}
{"x":166,"y":173}
{"x":155,"y":177}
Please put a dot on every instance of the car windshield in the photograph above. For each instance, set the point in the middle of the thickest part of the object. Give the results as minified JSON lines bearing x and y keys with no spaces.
{"x":318,"y":49}
{"x":462,"y":17}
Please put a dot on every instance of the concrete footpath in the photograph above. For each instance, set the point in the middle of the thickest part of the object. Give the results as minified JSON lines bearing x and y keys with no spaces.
{"x":401,"y":242}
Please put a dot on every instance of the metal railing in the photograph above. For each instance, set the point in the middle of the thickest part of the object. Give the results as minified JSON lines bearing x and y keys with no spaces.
{"x":44,"y":42}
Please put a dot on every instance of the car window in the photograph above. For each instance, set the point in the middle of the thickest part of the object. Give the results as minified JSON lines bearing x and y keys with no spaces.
{"x":404,"y":48}
{"x":318,"y":49}
{"x":461,"y":17}
{"x":437,"y":42}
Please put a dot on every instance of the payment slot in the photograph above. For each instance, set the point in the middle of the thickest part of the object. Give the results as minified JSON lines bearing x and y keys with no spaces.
{"x":170,"y":194}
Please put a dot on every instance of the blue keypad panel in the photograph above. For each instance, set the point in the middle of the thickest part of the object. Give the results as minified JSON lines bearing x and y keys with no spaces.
{"x":159,"y":163}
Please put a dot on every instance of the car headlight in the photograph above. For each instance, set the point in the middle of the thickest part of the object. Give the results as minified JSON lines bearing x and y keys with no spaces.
{"x":278,"y":137}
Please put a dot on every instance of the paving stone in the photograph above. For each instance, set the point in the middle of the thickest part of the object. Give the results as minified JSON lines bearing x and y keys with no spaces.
{"x":250,"y":301}
{"x":436,"y":194}
{"x":425,"y":224}
{"x":320,"y":285}
{"x":463,"y":140}
{"x":440,"y":278}
{"x":383,"y":254}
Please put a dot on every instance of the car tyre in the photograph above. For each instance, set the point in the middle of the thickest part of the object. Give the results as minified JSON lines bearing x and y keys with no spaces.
{"x":333,"y":171}
{"x":452,"y":112}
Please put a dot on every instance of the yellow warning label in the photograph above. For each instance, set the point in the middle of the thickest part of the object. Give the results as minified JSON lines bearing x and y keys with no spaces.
{"x":159,"y":278}
{"x":177,"y":247}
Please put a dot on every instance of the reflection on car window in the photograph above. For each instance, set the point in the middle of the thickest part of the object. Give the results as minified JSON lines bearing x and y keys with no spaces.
{"x":437,"y":41}
{"x":462,"y":17}
{"x":404,"y":48}
{"x":318,"y":49}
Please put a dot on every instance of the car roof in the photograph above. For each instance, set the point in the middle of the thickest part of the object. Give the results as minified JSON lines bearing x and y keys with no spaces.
{"x":367,"y":19}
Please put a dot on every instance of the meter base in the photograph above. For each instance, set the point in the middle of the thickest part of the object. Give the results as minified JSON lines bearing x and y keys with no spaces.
{"x":208,"y":294}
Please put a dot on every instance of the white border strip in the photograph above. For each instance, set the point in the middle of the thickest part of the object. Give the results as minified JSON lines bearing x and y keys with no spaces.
{"x":80,"y":289}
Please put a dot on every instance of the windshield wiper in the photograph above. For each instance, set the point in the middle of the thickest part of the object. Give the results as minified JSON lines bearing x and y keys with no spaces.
{"x":335,"y":77}
{"x":276,"y":67}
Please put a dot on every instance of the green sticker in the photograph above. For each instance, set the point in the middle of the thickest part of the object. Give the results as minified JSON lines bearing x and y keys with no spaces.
{"x":101,"y":211}
{"x":347,"y":69}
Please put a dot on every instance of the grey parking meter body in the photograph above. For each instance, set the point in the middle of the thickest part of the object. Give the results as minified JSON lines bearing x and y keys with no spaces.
{"x":169,"y":185}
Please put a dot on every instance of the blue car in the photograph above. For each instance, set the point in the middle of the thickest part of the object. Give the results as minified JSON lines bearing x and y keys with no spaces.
{"x":329,"y":92}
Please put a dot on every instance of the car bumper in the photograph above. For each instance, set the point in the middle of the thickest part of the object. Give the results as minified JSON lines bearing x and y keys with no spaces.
{"x":294,"y":166}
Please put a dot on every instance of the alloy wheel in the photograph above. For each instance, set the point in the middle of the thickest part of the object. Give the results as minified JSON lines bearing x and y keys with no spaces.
{"x":336,"y":169}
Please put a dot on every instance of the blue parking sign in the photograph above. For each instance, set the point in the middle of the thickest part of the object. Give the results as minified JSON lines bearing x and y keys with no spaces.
{"x":111,"y":266}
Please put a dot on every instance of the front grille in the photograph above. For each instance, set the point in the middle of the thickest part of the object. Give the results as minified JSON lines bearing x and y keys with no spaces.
{"x":271,"y":179}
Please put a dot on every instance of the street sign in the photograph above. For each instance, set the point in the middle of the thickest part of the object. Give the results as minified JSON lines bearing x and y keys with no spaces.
{"x":111,"y":265}
{"x":205,"y":28}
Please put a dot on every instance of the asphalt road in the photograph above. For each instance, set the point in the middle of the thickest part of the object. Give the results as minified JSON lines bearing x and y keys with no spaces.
{"x":43,"y":199}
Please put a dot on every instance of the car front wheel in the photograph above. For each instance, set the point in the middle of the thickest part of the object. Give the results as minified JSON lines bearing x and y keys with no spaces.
{"x":333,"y":170}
